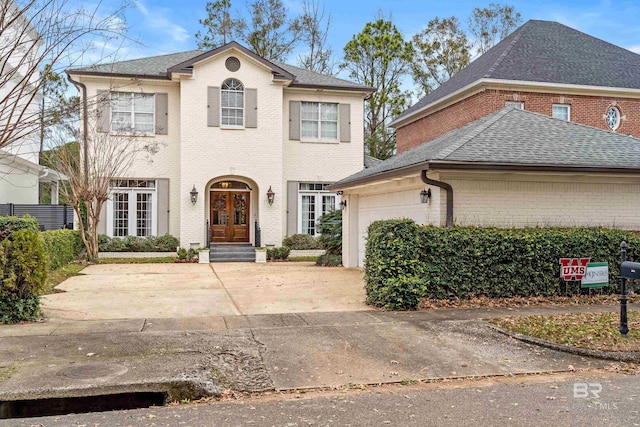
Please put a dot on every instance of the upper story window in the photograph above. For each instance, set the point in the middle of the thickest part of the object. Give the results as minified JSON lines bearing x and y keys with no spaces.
{"x":515,"y":104}
{"x":561,"y":111}
{"x":319,"y":121}
{"x":232,"y":103}
{"x":613,"y":118}
{"x":132,"y":112}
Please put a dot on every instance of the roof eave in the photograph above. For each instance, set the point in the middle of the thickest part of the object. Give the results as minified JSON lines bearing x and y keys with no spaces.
{"x":521,"y":167}
{"x":395,"y":173}
{"x":365,"y":89}
{"x":78,"y":72}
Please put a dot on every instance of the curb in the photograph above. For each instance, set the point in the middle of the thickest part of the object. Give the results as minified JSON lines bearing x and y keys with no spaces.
{"x":622,"y":356}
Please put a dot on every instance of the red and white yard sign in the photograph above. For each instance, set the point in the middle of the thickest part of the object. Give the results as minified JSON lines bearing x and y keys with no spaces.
{"x":573,"y":268}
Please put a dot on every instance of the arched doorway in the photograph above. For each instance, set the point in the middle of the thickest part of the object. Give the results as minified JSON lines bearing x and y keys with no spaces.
{"x":230,"y":212}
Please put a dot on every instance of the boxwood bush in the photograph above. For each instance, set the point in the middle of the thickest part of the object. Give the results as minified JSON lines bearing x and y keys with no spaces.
{"x":301,"y":242}
{"x":61,"y":247}
{"x":466,"y":262}
{"x":24,"y":271}
{"x":166,"y":243}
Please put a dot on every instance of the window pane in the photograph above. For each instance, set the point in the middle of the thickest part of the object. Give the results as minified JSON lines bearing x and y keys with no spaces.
{"x":309,"y":215}
{"x":143,"y":102}
{"x":328,"y":204}
{"x":121,"y":121}
{"x":309,"y":110}
{"x":120,"y":214}
{"x":144,"y":122}
{"x":309,"y":129}
{"x":516,"y":104}
{"x":560,"y":112}
{"x":143,"y":214}
{"x":329,"y":130}
{"x":120,"y":101}
{"x":330,"y":112}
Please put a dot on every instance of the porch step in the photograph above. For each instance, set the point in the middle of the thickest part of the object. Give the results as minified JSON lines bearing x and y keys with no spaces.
{"x":232,"y":253}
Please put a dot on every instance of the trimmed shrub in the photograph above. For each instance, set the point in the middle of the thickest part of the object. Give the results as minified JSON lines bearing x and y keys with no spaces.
{"x":280,"y":253}
{"x":10,"y":224}
{"x":329,"y":260}
{"x":467,"y":262}
{"x":166,"y":243}
{"x":61,"y":247}
{"x":330,"y":228}
{"x":301,"y":242}
{"x":24,"y":271}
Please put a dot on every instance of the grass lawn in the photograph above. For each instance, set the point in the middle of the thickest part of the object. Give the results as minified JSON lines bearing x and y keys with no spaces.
{"x":595,"y":331}
{"x":55,"y":277}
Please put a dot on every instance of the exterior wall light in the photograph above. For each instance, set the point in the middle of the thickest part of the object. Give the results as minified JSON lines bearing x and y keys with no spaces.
{"x":194,"y":195}
{"x":343,"y":205}
{"x":425,"y":195}
{"x":270,"y":196}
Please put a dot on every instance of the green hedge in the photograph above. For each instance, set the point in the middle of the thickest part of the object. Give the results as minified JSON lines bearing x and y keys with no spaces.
{"x":166,"y":243}
{"x":468,"y":262}
{"x":280,"y":253}
{"x":61,"y":247}
{"x":301,"y":242}
{"x":24,"y":271}
{"x":10,"y":224}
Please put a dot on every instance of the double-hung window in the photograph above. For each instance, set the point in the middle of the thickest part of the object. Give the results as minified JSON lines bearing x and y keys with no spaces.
{"x":313,"y":202}
{"x":561,"y":111}
{"x":132,"y":112}
{"x":132,"y":208}
{"x":232,"y":103}
{"x":319,"y":121}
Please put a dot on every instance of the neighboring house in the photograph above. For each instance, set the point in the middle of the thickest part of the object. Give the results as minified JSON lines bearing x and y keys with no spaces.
{"x":545,"y":67}
{"x":498,"y":144}
{"x":20,"y":172}
{"x":258,"y":141}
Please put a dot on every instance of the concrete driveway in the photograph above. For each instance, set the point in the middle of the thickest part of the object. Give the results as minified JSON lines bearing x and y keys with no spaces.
{"x":134,"y":291}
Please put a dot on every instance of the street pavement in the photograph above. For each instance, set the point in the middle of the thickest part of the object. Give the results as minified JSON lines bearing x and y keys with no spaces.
{"x":551,"y":400}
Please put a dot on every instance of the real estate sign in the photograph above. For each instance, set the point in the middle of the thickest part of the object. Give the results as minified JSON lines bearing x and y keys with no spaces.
{"x":597,"y":275}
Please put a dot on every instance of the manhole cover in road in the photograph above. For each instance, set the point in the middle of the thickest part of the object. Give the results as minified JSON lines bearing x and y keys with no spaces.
{"x":88,"y":372}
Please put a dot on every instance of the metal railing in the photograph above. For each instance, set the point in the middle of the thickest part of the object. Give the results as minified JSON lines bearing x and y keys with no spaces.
{"x":257,"y":235}
{"x":50,"y":217}
{"x":207,"y":234}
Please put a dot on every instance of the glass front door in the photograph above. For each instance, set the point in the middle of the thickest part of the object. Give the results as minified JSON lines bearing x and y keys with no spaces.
{"x":230,"y":216}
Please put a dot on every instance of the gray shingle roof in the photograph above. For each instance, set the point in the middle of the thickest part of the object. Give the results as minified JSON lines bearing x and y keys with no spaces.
{"x":518,"y":138}
{"x":547,"y":52}
{"x":158,"y":66}
{"x":370,"y":161}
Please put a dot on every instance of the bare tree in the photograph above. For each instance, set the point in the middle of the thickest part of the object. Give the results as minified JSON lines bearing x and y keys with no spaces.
{"x":492,"y":24}
{"x":315,"y":29}
{"x":35,"y":32}
{"x":270,"y":33}
{"x":441,"y":50}
{"x":91,"y":166}
{"x":220,"y":26}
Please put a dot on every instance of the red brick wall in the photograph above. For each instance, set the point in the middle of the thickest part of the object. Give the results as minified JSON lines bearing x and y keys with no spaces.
{"x":588,"y":110}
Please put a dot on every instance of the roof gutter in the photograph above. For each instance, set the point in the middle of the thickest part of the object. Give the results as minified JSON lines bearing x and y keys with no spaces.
{"x":446,"y":187}
{"x":85,"y":124}
{"x":512,"y":167}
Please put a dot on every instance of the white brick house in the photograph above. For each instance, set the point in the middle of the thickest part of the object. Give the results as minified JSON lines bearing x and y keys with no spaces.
{"x":233,"y":126}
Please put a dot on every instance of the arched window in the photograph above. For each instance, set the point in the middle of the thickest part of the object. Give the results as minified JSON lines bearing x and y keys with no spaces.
{"x":613,"y":118}
{"x":232,"y":103}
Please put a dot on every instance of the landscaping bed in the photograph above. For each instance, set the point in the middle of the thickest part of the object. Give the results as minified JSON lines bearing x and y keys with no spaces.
{"x":591,"y":331}
{"x":517,"y":301}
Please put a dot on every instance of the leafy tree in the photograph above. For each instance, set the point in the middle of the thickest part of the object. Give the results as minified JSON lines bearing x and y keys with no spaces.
{"x":441,"y":50}
{"x":269,"y":32}
{"x":492,"y":24}
{"x":379,"y":57}
{"x":220,"y":27}
{"x":315,"y":28}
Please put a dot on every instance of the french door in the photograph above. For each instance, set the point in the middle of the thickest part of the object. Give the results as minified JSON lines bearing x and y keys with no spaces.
{"x":229,"y":216}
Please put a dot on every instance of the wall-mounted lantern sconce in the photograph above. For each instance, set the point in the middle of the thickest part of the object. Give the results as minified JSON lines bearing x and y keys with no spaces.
{"x":343,"y":205}
{"x":270,"y":196}
{"x":194,"y":195}
{"x":425,"y":195}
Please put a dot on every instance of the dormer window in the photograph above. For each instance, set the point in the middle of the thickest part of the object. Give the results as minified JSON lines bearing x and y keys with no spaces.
{"x":232,"y":103}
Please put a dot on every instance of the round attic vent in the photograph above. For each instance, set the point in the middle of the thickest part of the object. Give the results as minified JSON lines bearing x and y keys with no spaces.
{"x":232,"y":63}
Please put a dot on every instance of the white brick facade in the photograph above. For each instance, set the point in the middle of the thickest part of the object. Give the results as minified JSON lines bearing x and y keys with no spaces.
{"x":196,"y":154}
{"x":495,"y":199}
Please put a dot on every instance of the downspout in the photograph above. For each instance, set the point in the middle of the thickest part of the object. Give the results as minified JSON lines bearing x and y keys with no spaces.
{"x":85,"y":126}
{"x":447,"y":188}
